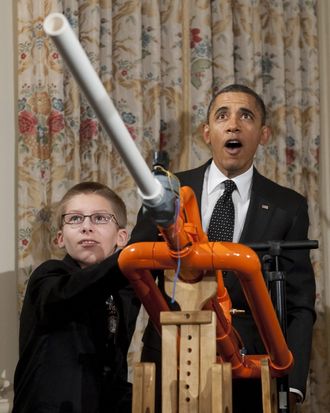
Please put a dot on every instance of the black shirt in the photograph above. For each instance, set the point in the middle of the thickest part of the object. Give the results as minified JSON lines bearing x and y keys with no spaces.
{"x":68,"y":362}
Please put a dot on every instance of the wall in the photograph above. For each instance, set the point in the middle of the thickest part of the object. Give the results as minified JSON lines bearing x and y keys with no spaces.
{"x":8,"y":300}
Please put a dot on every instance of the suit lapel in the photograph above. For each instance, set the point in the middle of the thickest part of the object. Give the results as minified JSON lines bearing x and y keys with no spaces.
{"x":260,"y":211}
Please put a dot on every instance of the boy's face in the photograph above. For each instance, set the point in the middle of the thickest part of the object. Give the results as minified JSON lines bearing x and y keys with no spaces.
{"x":90,"y":243}
{"x":234,"y":132}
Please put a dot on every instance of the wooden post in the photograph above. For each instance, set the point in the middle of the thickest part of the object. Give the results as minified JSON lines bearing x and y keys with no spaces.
{"x":144,"y":388}
{"x":222,"y":388}
{"x":269,"y":391}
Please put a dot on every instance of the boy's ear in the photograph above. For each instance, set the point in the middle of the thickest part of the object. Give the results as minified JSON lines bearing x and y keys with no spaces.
{"x":122,"y":237}
{"x":60,"y":239}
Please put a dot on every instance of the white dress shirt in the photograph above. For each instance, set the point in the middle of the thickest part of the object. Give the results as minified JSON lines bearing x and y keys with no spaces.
{"x":213,"y":188}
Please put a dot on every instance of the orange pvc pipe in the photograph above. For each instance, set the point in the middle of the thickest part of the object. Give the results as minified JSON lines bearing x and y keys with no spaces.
{"x":213,"y":256}
{"x":188,"y":241}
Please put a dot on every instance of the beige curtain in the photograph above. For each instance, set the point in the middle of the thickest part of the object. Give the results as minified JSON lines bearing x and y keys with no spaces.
{"x":161,"y":61}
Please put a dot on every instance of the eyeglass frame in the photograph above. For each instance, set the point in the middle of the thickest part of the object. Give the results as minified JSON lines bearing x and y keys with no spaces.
{"x":112,"y":218}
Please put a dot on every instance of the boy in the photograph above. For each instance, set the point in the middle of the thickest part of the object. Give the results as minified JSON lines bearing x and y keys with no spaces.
{"x":73,"y":334}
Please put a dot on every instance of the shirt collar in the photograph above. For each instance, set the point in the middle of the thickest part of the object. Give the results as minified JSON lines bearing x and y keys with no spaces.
{"x":243,"y":182}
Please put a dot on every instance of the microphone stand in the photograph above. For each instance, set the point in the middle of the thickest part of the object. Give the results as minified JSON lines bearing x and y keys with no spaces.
{"x":275,"y":280}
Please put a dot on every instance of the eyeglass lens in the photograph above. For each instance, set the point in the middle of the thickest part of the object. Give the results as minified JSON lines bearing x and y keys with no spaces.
{"x":97,"y":218}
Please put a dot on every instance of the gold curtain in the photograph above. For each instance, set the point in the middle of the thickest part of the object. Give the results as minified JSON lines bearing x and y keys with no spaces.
{"x":161,"y":61}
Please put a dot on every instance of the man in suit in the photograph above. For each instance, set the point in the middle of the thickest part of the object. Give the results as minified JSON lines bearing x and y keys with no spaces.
{"x":264,"y":211}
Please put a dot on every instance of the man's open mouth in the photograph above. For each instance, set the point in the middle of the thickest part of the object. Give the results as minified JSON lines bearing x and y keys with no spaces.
{"x":233,"y":144}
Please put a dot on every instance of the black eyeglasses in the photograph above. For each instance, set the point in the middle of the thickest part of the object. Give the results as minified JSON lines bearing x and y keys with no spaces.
{"x":98,"y":218}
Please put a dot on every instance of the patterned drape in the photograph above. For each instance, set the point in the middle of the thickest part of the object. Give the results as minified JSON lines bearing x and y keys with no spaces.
{"x":161,"y":61}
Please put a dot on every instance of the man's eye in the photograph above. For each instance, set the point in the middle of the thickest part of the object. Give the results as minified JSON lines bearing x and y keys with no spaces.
{"x":246,"y":115}
{"x":221,"y":115}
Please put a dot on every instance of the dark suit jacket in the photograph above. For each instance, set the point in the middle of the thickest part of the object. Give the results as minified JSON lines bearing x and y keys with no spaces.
{"x":63,"y":345}
{"x":284,"y":218}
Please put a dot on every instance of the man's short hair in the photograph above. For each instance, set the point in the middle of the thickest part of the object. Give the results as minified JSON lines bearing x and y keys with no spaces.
{"x":236,"y":87}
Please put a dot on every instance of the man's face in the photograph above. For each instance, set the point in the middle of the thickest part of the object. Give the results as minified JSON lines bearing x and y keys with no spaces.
{"x":234,"y":132}
{"x":90,"y":243}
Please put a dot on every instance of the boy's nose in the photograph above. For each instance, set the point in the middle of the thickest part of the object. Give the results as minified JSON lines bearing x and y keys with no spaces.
{"x":87,"y":225}
{"x":84,"y":230}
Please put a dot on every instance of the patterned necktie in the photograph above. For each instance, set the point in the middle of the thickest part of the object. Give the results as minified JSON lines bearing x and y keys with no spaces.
{"x":222,"y":221}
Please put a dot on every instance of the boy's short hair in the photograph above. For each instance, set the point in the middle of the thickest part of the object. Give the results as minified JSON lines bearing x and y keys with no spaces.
{"x":91,"y":187}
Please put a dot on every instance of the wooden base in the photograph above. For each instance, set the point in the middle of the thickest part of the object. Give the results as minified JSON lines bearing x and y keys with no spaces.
{"x":199,"y":385}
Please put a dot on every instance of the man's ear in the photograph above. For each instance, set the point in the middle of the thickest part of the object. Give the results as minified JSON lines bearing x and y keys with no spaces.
{"x":206,"y":133}
{"x":60,"y":239}
{"x":266,"y":133}
{"x":122,"y":237}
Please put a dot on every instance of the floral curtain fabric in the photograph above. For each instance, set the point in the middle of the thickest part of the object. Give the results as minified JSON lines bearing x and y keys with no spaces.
{"x":161,"y":61}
